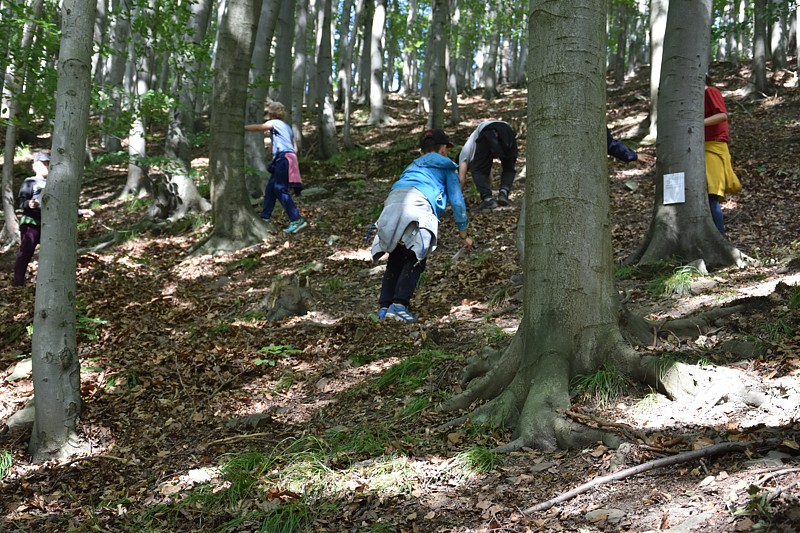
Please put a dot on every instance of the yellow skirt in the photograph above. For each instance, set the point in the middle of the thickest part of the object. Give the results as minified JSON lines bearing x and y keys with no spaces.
{"x":719,"y":171}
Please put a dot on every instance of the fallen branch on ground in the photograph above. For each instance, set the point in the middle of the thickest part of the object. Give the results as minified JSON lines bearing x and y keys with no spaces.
{"x":717,"y":449}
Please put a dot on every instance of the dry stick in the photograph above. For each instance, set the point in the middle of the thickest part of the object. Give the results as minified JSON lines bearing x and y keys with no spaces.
{"x":780,"y":490}
{"x":685,"y":457}
{"x":238,"y":437}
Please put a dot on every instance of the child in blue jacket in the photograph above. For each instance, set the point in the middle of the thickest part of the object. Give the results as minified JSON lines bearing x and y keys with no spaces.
{"x":408,"y":227}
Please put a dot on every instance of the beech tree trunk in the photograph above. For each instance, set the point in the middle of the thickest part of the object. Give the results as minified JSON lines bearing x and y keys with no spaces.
{"x":377,"y":112}
{"x":325,"y":108}
{"x":260,"y":70}
{"x":570,"y":314}
{"x":345,"y":75}
{"x":759,"y":81}
{"x":300,"y":57}
{"x":573,"y":322}
{"x":658,"y":27}
{"x":236,"y":225}
{"x":438,"y":48}
{"x":11,"y":89}
{"x":685,"y":230}
{"x":56,"y":366}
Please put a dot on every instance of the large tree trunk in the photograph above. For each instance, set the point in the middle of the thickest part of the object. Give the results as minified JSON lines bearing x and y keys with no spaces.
{"x":56,"y":366}
{"x":685,"y":230}
{"x":572,"y":320}
{"x":570,"y":315}
{"x":236,"y":225}
{"x":255,"y":156}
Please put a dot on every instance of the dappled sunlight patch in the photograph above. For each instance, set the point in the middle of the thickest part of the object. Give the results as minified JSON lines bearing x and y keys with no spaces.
{"x":347,"y":254}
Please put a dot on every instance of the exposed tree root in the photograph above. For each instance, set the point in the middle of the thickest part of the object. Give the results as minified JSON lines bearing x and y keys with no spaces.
{"x":717,"y":449}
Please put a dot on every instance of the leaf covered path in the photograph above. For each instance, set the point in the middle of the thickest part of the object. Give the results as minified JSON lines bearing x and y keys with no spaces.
{"x":206,"y":416}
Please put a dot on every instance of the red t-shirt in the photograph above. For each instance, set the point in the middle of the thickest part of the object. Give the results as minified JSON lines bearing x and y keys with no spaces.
{"x":713,"y":104}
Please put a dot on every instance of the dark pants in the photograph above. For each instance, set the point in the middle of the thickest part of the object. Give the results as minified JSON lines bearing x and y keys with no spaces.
{"x":716,"y":212}
{"x":400,"y":279}
{"x":28,"y":241}
{"x":278,"y":190}
{"x":497,"y":141}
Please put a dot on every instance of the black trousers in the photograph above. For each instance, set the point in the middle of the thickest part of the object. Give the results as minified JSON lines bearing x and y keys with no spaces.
{"x":496,"y":141}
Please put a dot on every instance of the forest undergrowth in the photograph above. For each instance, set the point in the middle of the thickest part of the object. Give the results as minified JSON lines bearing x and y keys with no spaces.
{"x":204,"y":415}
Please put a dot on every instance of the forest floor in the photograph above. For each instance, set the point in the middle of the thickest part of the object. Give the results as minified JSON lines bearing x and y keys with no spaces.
{"x":205,"y":416}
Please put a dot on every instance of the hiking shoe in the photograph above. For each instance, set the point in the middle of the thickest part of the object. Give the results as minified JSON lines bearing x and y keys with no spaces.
{"x":296,"y":225}
{"x":502,"y":198}
{"x":399,"y":312}
{"x":270,"y":225}
{"x":382,"y":313}
{"x":487,"y":204}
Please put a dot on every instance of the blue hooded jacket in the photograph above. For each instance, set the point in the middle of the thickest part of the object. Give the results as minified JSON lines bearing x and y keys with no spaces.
{"x":435,"y":176}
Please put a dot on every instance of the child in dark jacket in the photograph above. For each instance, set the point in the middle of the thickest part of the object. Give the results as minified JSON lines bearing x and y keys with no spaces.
{"x":30,"y":201}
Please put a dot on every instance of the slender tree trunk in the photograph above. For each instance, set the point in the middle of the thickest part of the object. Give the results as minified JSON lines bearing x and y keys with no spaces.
{"x":778,"y":35}
{"x":114,"y":75}
{"x":452,"y":62}
{"x":327,"y":123}
{"x":365,"y":59}
{"x":56,"y":365}
{"x":759,"y":79}
{"x":137,"y":83}
{"x":622,"y":38}
{"x":658,"y":25}
{"x":439,"y":31}
{"x":489,"y":70}
{"x":409,"y":83}
{"x":11,"y":94}
{"x":283,"y":54}
{"x":345,"y":70}
{"x":377,"y":112}
{"x":299,"y":71}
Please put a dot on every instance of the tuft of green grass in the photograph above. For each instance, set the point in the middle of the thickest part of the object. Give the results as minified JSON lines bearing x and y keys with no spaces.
{"x":604,"y":386}
{"x":497,"y":299}
{"x":678,"y":282}
{"x":495,"y":334}
{"x":334,"y":285}
{"x":6,"y":460}
{"x":622,"y":272}
{"x":794,"y":298}
{"x":415,"y":406}
{"x":477,"y":460}
{"x":286,"y":518}
{"x":411,"y":372}
{"x":777,"y":330}
{"x":647,"y":404}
